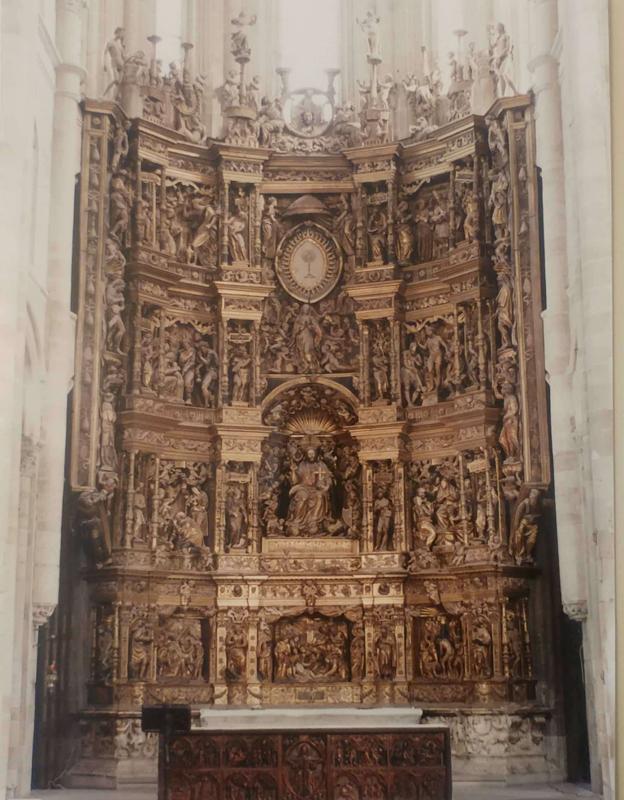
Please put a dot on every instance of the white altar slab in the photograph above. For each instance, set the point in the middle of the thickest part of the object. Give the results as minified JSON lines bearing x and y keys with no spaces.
{"x":301,"y":719}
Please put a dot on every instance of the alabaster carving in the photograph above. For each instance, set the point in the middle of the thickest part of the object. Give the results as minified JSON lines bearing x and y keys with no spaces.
{"x":308,"y":456}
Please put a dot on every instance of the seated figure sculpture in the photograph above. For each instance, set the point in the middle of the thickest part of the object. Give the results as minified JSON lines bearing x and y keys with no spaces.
{"x":309,"y":510}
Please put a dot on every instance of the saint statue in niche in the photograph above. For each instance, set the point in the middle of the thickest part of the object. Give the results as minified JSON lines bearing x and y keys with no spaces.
{"x":309,"y":510}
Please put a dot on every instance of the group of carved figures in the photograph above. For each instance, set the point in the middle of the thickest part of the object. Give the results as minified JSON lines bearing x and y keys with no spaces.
{"x":423,"y":227}
{"x":299,"y":337}
{"x":324,"y":649}
{"x":182,"y":364}
{"x":177,"y":648}
{"x":449,"y":646}
{"x":176,"y":96}
{"x":308,"y":478}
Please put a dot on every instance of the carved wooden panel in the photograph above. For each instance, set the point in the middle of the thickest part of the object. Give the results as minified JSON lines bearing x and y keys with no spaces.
{"x":345,"y":765}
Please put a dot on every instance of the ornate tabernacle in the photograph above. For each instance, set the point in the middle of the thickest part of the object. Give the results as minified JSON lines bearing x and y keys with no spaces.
{"x":310,"y":440}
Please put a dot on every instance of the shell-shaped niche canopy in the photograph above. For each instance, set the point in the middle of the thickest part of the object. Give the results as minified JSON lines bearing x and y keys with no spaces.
{"x":310,"y":409}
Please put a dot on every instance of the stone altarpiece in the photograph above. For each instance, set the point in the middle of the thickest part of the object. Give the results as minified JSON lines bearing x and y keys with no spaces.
{"x":310,"y":444}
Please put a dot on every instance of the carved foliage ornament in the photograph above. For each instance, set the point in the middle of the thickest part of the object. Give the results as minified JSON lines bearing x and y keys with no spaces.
{"x":309,"y":262}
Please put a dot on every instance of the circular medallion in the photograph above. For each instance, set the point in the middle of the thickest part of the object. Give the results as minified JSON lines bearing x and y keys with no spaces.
{"x":308,"y":262}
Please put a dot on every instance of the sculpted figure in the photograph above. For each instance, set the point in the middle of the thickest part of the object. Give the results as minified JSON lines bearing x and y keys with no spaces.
{"x":143,"y":221}
{"x":270,"y":119}
{"x":524,"y":528}
{"x":240,"y":43}
{"x":120,"y":147}
{"x":187,"y":530}
{"x":370,"y":26}
{"x":446,"y":505}
{"x":269,"y":228}
{"x":308,"y":334}
{"x":428,"y":653}
{"x":229,"y":92}
{"x":172,"y":380}
{"x":514,"y":643}
{"x":120,"y":200}
{"x":204,"y":243}
{"x":92,"y":523}
{"x":115,"y":304}
{"x":358,"y":656}
{"x":236,"y":653}
{"x":385,"y":654}
{"x":422,"y":510}
{"x":471,"y":220}
{"x":114,"y":61}
{"x":380,"y":367}
{"x":237,"y":230}
{"x":377,"y":231}
{"x":253,"y":93}
{"x":424,"y":232}
{"x":345,"y":225}
{"x":207,"y":373}
{"x":186,"y":360}
{"x":140,"y":652}
{"x":383,"y":510}
{"x":265,"y":652}
{"x":405,"y":233}
{"x":482,"y":91}
{"x":192,"y":654}
{"x":501,"y":64}
{"x":273,"y":525}
{"x":346,"y":124}
{"x":437,"y":351}
{"x":439,"y":218}
{"x":384,"y":90}
{"x":309,"y":506}
{"x":197,"y":508}
{"x":504,"y":304}
{"x":139,"y":523}
{"x":481,"y":647}
{"x":240,"y":365}
{"x":509,"y":438}
{"x":496,"y":141}
{"x":236,"y":520}
{"x":499,"y":205}
{"x":108,"y":417}
{"x":410,"y":374}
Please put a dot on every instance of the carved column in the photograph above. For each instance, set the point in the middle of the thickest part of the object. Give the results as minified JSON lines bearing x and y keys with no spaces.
{"x":400,"y":513}
{"x":367,"y":499}
{"x":220,"y":656}
{"x":223,"y":226}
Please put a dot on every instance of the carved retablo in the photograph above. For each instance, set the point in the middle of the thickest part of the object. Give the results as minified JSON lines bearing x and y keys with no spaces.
{"x":310,"y":443}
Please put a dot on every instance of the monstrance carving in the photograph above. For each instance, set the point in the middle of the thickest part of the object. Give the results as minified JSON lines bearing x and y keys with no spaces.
{"x":308,"y":262}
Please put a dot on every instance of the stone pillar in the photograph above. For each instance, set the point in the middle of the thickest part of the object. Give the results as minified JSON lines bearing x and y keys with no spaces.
{"x":573,"y":154}
{"x":60,"y":331}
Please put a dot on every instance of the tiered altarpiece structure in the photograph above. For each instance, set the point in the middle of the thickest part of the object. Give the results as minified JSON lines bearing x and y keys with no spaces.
{"x":309,"y":446}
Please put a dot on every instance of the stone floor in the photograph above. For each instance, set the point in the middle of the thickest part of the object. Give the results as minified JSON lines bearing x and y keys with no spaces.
{"x":463,"y":791}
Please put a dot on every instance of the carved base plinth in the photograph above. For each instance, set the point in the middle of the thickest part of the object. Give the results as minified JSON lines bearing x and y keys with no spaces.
{"x":114,"y":753}
{"x":517,"y":746}
{"x":323,"y":545}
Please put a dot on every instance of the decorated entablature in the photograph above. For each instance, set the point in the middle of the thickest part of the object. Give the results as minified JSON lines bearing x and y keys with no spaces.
{"x":310,"y":437}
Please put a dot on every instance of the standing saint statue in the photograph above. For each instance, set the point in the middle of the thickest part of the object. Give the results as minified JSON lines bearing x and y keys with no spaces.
{"x":370,"y":26}
{"x":308,"y":334}
{"x":309,"y":512}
